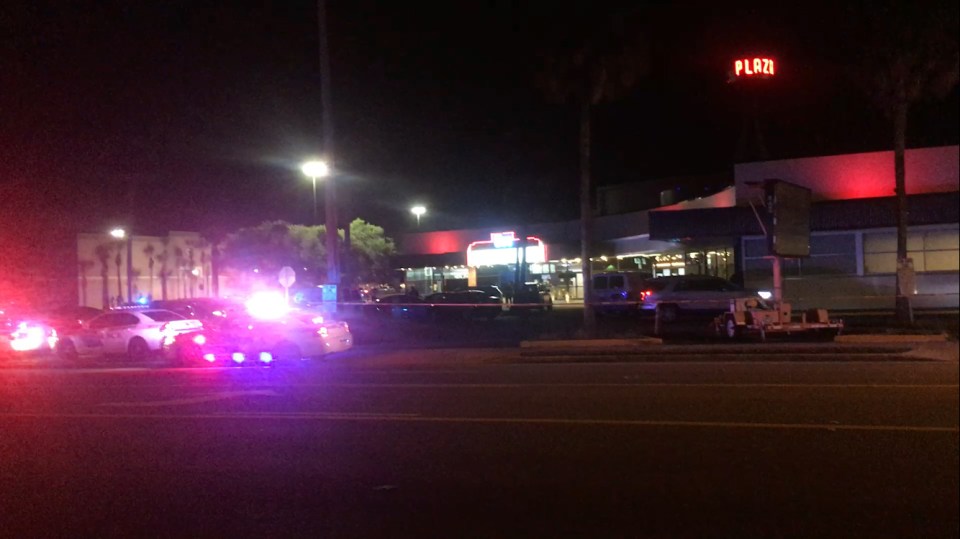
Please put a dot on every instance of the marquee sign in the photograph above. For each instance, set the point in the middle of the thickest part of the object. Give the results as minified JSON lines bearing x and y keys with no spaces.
{"x":503,"y":248}
{"x":754,"y":67}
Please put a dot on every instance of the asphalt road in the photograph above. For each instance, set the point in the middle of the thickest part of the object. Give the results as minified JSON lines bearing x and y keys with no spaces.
{"x":461,"y":444}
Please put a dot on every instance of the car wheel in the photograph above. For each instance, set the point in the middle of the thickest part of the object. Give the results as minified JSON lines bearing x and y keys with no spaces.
{"x":67,"y":351}
{"x":287,"y":352}
{"x":731,"y":330}
{"x":667,"y":313}
{"x":182,"y":357}
{"x":138,"y":350}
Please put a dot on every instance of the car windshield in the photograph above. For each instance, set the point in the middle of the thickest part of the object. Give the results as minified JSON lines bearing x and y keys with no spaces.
{"x":163,"y":316}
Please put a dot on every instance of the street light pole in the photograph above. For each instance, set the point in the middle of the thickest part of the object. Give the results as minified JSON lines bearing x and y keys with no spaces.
{"x":314,"y":178}
{"x":330,"y":195}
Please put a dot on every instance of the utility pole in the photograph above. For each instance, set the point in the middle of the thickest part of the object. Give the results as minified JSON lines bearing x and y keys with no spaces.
{"x":333,"y":254}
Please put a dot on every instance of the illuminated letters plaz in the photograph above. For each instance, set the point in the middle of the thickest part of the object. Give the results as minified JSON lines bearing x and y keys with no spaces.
{"x":753,"y":67}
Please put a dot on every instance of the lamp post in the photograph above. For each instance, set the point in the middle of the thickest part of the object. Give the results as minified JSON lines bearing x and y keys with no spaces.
{"x":418,"y":210}
{"x":313,"y":170}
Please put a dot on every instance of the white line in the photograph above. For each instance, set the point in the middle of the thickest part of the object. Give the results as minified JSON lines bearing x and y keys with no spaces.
{"x":386,"y":418}
{"x":197,"y":400}
{"x":629,"y":385}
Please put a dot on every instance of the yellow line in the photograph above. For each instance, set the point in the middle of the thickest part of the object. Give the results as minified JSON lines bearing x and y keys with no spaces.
{"x":386,"y":418}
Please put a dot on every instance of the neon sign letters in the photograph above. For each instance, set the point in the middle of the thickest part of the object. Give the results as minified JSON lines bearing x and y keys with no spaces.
{"x":750,"y":67}
{"x":502,"y":248}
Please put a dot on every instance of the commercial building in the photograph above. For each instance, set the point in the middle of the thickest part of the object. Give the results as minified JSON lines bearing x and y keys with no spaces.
{"x":852,"y":260}
{"x":175,"y":266}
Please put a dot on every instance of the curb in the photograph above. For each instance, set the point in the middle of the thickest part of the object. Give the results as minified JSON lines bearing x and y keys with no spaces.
{"x":591,"y":343}
{"x":890,"y":339}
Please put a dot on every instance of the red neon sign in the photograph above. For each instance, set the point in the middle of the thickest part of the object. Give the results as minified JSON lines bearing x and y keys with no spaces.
{"x":750,"y":67}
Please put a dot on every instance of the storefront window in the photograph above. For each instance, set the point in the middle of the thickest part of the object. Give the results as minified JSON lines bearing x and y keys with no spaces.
{"x":933,"y":250}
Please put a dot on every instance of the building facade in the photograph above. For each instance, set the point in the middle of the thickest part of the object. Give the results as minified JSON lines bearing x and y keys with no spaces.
{"x":852,"y":258}
{"x":178,"y":265}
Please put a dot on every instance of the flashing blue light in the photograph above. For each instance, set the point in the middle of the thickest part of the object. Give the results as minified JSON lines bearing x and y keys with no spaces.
{"x":266,"y":357}
{"x":142,"y":300}
{"x":237,"y":357}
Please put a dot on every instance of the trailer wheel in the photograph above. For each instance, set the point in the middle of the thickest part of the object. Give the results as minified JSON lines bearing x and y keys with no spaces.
{"x":731,"y":330}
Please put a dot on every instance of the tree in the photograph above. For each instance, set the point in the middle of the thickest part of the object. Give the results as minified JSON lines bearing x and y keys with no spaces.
{"x":272,"y":245}
{"x":103,"y":255}
{"x":149,"y":251}
{"x":908,"y":53}
{"x":370,"y":251}
{"x":591,"y":65}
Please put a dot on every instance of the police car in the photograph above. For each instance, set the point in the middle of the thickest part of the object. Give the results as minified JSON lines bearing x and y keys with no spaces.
{"x":269,"y":333}
{"x":136,"y":333}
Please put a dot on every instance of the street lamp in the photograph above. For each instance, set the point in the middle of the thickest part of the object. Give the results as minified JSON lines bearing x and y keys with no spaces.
{"x":118,"y":233}
{"x":418,"y":210}
{"x":314,"y":170}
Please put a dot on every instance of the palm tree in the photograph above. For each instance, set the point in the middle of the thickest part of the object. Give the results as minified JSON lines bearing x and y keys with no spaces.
{"x":103,"y":255}
{"x":149,"y":250}
{"x":84,"y":266}
{"x":178,"y":261}
{"x":162,"y":257}
{"x":588,"y":68}
{"x":117,"y":260}
{"x":909,"y":53}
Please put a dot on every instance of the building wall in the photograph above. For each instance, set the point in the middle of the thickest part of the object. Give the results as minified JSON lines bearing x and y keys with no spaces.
{"x":164,"y":267}
{"x":856,"y":269}
{"x":859,"y":175}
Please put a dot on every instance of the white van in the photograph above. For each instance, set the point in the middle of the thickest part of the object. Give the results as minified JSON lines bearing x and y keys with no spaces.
{"x":617,"y":291}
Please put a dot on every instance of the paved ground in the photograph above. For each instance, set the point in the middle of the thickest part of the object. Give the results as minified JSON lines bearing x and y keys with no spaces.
{"x":453,"y":444}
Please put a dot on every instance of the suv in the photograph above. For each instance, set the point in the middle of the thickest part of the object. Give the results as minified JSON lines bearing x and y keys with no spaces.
{"x":701,"y":294}
{"x":532,"y":296}
{"x":617,"y":291}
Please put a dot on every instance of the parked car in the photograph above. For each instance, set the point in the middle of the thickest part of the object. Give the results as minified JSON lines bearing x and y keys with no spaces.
{"x":24,"y":332}
{"x":202,"y":309}
{"x":466,"y":304}
{"x":136,"y":333}
{"x":617,"y":291}
{"x":532,"y":297}
{"x":400,"y":306}
{"x":686,"y":294}
{"x":245,"y":340}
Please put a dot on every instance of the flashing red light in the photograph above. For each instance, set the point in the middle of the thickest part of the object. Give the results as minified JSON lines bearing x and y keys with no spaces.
{"x":200,"y":340}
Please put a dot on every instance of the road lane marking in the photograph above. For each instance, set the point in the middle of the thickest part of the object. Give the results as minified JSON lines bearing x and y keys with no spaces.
{"x":401,"y":418}
{"x":610,"y":385}
{"x":223,"y":395}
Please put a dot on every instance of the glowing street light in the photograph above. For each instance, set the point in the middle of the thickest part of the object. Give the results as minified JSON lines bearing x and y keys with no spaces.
{"x":313,"y":170}
{"x":118,"y":233}
{"x":418,"y":210}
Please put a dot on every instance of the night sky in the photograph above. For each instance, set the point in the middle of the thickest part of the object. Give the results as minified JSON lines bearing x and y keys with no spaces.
{"x":197,"y":114}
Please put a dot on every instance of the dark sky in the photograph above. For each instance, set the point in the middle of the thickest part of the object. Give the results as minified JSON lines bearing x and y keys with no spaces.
{"x":197,"y":114}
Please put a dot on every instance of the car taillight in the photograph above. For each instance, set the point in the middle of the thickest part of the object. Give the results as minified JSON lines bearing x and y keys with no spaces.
{"x":645,"y":294}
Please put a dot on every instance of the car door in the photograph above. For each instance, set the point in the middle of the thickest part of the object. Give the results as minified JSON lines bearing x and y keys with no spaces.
{"x":116,"y":335}
{"x":90,"y":338}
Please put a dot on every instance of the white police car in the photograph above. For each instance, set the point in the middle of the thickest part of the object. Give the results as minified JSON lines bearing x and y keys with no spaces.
{"x":136,"y":333}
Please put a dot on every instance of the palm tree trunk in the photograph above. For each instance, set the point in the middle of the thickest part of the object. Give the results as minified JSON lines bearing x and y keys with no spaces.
{"x":586,"y":217}
{"x":119,"y":281}
{"x":903,"y":307}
